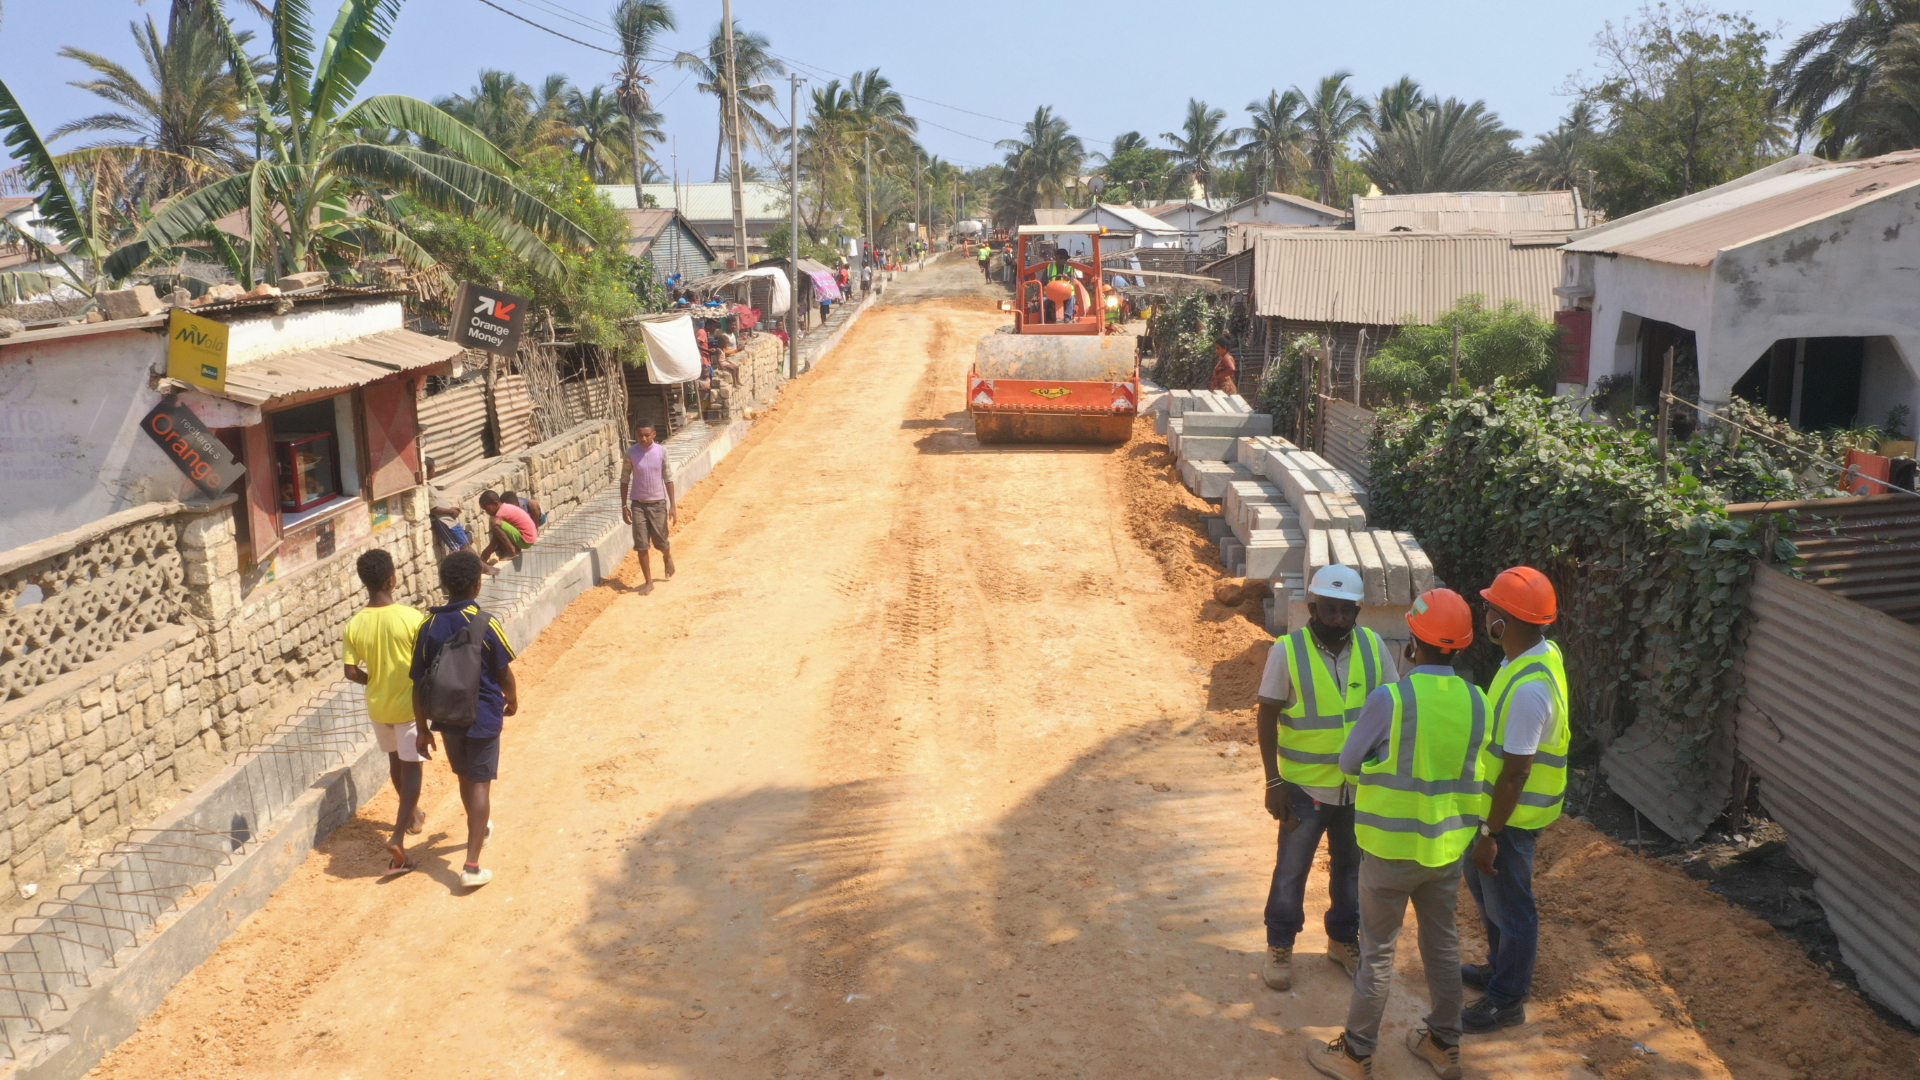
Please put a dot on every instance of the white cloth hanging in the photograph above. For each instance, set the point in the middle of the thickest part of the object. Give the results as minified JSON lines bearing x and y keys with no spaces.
{"x":673,"y":356}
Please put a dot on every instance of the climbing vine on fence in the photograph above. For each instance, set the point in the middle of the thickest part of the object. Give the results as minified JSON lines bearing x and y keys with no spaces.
{"x":1279,"y":393}
{"x":1183,"y":333}
{"x":1652,"y":576}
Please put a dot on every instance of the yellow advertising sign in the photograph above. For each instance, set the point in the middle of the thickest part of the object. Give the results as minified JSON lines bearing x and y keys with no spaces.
{"x":197,"y":350}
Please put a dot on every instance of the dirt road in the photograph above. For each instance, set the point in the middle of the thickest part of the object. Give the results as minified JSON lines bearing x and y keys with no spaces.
{"x":907,"y":773}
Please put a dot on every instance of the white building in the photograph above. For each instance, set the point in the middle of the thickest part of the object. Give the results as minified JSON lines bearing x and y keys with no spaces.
{"x":1796,"y":287}
{"x":1275,"y":208}
{"x":1127,"y":227}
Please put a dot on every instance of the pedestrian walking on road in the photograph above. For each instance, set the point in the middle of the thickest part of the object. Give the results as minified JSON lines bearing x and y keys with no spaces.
{"x":377,"y":648}
{"x":1528,"y":752}
{"x":1417,"y":753}
{"x":1316,"y":680}
{"x":463,"y":687}
{"x":651,"y":501}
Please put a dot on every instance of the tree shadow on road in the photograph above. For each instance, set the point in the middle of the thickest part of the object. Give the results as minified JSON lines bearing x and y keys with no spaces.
{"x":793,"y":932}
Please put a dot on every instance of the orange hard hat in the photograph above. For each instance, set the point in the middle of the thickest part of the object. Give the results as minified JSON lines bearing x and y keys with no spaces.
{"x":1525,"y":594}
{"x":1440,"y":617}
{"x":1059,"y":290}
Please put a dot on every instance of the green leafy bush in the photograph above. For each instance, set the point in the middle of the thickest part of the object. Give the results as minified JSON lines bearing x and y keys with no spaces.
{"x":1279,"y":392}
{"x":1183,"y":333}
{"x":1652,"y":577}
{"x":1509,"y":342}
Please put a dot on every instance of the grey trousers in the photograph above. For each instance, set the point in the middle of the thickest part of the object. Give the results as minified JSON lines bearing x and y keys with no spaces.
{"x":1385,"y":887}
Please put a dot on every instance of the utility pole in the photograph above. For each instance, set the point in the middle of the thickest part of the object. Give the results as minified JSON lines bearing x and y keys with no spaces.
{"x":793,"y":232}
{"x":733,"y":141}
{"x":866,"y":163}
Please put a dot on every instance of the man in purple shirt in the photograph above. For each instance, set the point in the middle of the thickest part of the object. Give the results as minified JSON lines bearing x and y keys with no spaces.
{"x":650,"y":501}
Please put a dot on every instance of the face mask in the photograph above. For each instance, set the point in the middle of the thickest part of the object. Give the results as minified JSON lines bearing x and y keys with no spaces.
{"x":1409,"y":653}
{"x":1331,"y":635}
{"x":1496,"y":630}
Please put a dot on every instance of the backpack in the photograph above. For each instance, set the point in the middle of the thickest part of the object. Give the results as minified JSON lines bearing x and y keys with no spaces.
{"x":452,"y":680}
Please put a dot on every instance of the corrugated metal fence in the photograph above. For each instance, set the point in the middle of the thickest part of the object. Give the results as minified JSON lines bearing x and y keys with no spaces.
{"x":1349,"y":431}
{"x":453,"y":425}
{"x":1830,"y":724}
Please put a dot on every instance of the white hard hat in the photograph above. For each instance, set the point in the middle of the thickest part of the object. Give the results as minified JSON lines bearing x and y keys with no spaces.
{"x":1338,"y":582}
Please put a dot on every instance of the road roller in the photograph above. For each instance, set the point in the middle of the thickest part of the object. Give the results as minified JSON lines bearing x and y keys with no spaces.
{"x":1055,"y":375}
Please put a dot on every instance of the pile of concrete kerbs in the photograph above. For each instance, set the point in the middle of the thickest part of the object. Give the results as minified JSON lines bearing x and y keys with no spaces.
{"x":1286,"y":512}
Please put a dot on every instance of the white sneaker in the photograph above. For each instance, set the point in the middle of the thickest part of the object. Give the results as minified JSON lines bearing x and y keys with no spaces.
{"x":475,"y":878}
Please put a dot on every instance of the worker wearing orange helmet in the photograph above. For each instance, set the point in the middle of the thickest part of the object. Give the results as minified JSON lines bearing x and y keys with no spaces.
{"x":1417,"y":756}
{"x":1060,"y":302}
{"x":1528,"y":752}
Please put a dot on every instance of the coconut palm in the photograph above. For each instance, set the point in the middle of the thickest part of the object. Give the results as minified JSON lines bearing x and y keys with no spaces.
{"x":881,"y":108}
{"x":319,"y":195}
{"x":638,"y":24}
{"x":1449,"y":146}
{"x":1399,"y":101}
{"x":753,"y":65}
{"x":511,"y":114}
{"x":187,"y":111}
{"x":1203,"y":143}
{"x":1844,"y":80}
{"x":1558,"y":162}
{"x":597,"y":130}
{"x":1039,"y":165}
{"x":1275,"y":143}
{"x":1333,"y":115}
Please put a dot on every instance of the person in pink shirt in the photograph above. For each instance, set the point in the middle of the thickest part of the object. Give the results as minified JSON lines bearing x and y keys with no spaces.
{"x":651,"y":499}
{"x":511,"y":530}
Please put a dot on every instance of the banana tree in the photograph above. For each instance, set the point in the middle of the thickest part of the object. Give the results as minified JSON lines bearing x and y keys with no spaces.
{"x":319,"y":192}
{"x":72,"y":219}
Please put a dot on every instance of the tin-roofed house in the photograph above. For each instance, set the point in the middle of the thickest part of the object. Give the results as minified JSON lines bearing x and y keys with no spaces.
{"x":665,"y":236}
{"x":1793,"y":287}
{"x":709,"y":208}
{"x":1471,"y":212}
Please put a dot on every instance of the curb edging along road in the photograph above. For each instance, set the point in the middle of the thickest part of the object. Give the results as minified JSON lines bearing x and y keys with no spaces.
{"x":324,"y":763}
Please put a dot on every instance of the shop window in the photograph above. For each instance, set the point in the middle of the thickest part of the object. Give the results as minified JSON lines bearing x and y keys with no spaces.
{"x":315,"y":456}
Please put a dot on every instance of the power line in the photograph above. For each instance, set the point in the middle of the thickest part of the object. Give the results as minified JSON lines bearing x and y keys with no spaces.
{"x":548,"y":29}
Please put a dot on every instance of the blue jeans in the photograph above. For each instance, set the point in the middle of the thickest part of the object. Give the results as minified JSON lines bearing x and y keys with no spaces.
{"x":1287,"y":897}
{"x":1508,"y":912}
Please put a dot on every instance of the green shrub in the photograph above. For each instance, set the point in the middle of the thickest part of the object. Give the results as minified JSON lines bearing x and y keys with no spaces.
{"x":1509,"y":342}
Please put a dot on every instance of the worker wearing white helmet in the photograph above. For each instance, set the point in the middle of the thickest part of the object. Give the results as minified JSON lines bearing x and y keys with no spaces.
{"x":1316,"y":679}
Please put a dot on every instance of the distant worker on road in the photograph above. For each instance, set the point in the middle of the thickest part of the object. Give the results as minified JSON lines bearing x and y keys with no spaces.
{"x":1417,"y":753}
{"x":1316,"y":679}
{"x":1226,"y":370}
{"x":985,"y":255}
{"x":1528,"y":752}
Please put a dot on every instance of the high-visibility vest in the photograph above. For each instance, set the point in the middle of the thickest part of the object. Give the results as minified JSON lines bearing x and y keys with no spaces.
{"x":984,"y":252}
{"x":1425,"y":798}
{"x":1315,"y":726}
{"x":1056,"y":272}
{"x":1546,"y":785}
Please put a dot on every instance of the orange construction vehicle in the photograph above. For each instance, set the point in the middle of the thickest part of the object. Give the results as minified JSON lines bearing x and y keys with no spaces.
{"x":1051,"y":378}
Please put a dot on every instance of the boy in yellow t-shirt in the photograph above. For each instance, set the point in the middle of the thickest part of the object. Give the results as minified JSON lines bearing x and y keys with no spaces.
{"x":379,"y":656}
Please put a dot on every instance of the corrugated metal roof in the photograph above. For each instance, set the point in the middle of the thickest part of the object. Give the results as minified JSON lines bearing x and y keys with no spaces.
{"x":1827,"y":720}
{"x":1693,"y":230}
{"x":707,"y":203}
{"x":1864,"y":548}
{"x":1396,"y":278}
{"x":1218,"y":218}
{"x":1469,"y":212}
{"x":350,"y":363}
{"x":1132,"y":215}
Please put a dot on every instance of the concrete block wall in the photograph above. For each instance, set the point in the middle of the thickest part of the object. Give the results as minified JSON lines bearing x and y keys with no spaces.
{"x":107,"y":746}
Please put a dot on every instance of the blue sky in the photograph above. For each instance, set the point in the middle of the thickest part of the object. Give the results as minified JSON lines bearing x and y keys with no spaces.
{"x":987,"y":64}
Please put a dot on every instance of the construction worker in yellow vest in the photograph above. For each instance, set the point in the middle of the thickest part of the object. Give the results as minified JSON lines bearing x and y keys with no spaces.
{"x":1528,"y":753}
{"x":1315,"y":681}
{"x":1417,"y":756}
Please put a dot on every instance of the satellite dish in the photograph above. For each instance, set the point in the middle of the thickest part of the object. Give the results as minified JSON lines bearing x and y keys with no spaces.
{"x":1098,"y":185}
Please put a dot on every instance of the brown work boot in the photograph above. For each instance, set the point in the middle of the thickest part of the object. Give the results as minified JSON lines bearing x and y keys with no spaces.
{"x":1444,"y":1059}
{"x":1346,"y":954}
{"x":1278,"y":971}
{"x":1335,"y":1060}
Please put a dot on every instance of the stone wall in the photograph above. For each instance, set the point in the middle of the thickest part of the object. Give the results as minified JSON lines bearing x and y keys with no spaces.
{"x":207,"y":663}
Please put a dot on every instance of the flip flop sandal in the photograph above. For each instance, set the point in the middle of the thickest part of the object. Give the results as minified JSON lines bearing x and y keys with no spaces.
{"x":396,"y":871}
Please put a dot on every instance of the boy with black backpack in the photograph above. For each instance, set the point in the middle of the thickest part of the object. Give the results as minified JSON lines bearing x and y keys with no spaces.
{"x":463,"y":688}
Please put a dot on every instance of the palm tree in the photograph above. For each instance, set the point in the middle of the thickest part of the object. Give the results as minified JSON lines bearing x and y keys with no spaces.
{"x":752,"y":66}
{"x":1040,"y":165}
{"x":637,"y":23}
{"x":880,"y":106}
{"x":1333,"y":115}
{"x":1202,"y":144}
{"x":1275,"y":142}
{"x":188,"y":113}
{"x":597,"y":129}
{"x":1450,"y":146}
{"x":1123,"y":142}
{"x":1558,"y":162}
{"x":1398,"y":102}
{"x":318,"y":194}
{"x":511,"y":115}
{"x":1841,"y":79}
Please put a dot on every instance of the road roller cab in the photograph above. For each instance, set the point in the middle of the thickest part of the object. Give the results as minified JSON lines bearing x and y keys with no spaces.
{"x":1055,"y":375}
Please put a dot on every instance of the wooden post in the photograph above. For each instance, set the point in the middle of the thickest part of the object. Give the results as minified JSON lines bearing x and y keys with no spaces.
{"x":1666,"y":410}
{"x":1325,"y":394}
{"x":1359,"y":362}
{"x":1306,"y":390}
{"x":1455,"y":381}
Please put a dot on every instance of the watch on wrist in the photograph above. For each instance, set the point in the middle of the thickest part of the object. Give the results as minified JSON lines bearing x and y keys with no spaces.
{"x":1485,"y":831}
